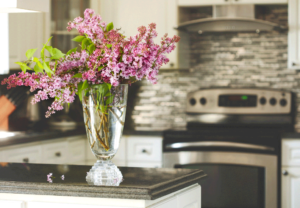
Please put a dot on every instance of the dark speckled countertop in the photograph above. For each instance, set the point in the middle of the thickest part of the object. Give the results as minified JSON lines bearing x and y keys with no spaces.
{"x":138,"y":183}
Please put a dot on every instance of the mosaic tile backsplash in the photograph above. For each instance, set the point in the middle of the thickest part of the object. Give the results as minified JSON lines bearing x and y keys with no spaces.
{"x":218,"y":60}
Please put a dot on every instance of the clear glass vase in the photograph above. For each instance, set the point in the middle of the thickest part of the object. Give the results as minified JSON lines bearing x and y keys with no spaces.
{"x":104,"y":110}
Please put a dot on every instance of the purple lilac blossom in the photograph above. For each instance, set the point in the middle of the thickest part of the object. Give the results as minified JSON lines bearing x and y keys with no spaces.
{"x":115,"y":60}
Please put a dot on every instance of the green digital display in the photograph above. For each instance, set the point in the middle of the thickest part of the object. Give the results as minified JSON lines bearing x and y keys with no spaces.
{"x":244,"y":97}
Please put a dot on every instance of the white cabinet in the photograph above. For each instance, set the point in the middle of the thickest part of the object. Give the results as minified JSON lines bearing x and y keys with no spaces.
{"x":291,"y":152}
{"x":11,"y":204}
{"x":55,"y":153}
{"x":144,"y":151}
{"x":23,"y":154}
{"x":26,"y":31}
{"x":222,"y":2}
{"x":294,"y":34}
{"x":290,"y":177}
{"x":290,"y":187}
{"x":130,"y":14}
{"x":68,"y":150}
{"x":189,"y":197}
{"x":77,"y":151}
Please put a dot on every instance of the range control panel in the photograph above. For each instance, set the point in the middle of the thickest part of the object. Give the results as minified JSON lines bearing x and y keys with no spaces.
{"x":239,"y":101}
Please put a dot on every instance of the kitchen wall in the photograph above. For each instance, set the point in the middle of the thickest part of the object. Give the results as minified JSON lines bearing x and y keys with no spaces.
{"x":217,"y":60}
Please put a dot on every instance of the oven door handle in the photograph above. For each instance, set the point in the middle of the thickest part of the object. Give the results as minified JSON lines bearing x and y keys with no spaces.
{"x":218,"y":144}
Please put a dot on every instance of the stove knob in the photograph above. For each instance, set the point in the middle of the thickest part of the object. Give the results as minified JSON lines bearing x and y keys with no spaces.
{"x":203,"y":101}
{"x":283,"y":102}
{"x":273,"y":101}
{"x":192,"y":101}
{"x":262,"y":100}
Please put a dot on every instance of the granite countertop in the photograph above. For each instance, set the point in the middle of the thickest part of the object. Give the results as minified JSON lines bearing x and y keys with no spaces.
{"x":138,"y":183}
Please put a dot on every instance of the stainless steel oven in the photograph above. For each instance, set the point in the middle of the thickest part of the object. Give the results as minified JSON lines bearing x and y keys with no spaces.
{"x":234,"y":136}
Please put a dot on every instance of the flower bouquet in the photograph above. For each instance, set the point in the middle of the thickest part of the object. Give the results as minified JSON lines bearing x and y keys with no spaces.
{"x":98,"y":71}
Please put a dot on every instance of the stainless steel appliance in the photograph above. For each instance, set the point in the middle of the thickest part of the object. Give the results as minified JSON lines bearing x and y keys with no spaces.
{"x":234,"y":136}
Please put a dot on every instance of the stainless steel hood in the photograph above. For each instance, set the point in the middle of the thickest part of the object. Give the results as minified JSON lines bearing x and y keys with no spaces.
{"x":230,"y":18}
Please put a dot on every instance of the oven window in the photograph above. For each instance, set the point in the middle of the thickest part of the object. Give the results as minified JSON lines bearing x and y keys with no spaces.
{"x":231,"y":186}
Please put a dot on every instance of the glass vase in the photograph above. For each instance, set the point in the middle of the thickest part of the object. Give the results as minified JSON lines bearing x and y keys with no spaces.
{"x":104,"y":110}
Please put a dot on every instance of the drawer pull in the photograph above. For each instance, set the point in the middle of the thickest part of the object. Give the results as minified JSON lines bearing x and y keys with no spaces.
{"x":144,"y":151}
{"x":285,"y":173}
{"x":26,"y":160}
{"x":57,"y":154}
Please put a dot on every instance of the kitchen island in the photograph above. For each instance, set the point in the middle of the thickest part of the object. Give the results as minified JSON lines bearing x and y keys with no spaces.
{"x":26,"y":185}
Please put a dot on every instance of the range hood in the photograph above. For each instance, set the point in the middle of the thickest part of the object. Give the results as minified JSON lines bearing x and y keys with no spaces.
{"x":230,"y":18}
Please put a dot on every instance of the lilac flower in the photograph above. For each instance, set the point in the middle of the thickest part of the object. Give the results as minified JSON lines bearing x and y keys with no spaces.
{"x":62,"y":177}
{"x":115,"y":60}
{"x":49,"y":178}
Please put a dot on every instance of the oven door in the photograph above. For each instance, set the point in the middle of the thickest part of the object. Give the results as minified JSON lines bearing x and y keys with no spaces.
{"x":235,"y":179}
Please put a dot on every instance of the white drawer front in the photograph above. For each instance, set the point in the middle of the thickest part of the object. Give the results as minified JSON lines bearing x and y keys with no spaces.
{"x":144,"y":149}
{"x":144,"y":164}
{"x":121,"y":153}
{"x":55,"y":153}
{"x":77,"y":151}
{"x":11,"y":204}
{"x":23,"y":155}
{"x":290,"y":152}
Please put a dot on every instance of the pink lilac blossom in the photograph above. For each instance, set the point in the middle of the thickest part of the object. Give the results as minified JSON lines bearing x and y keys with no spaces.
{"x":115,"y":60}
{"x":49,"y":179}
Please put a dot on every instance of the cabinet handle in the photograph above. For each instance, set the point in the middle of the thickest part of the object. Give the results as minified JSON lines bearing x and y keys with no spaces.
{"x":57,"y":154}
{"x":26,"y":160}
{"x":295,"y":64}
{"x":285,"y":173}
{"x":144,"y":151}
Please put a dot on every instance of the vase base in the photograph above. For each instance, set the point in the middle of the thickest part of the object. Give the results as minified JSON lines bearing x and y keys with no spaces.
{"x":104,"y":173}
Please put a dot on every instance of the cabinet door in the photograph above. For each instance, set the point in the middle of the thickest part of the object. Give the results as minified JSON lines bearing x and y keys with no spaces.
{"x":291,"y":152}
{"x":23,"y":154}
{"x":11,"y":204}
{"x":26,"y":31}
{"x":290,"y":187}
{"x":77,"y":152}
{"x":260,"y":2}
{"x":64,"y":205}
{"x":130,"y":14}
{"x":201,"y":2}
{"x":55,"y":152}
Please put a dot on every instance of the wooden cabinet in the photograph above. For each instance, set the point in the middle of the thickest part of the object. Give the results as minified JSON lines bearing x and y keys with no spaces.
{"x":290,"y":187}
{"x":290,"y":177}
{"x":130,"y":14}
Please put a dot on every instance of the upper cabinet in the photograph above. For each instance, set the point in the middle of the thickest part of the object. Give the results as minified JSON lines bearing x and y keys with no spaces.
{"x":294,"y":34}
{"x":216,"y":2}
{"x":130,"y":14}
{"x":26,"y":31}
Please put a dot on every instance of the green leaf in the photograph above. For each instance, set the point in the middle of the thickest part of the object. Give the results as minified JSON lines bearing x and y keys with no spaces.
{"x":43,"y":49}
{"x":85,"y":85}
{"x":57,"y":54}
{"x":50,"y":49}
{"x":23,"y":66}
{"x":72,"y":51}
{"x":37,"y":69}
{"x":84,"y":43}
{"x":55,"y":65}
{"x":91,"y":48}
{"x":79,"y":38}
{"x":110,"y":100}
{"x":78,"y":75}
{"x":109,"y":45}
{"x":110,"y":26}
{"x":30,"y":52}
{"x":47,"y":69}
{"x":103,"y":108}
{"x":101,"y":67}
{"x":36,"y":60}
